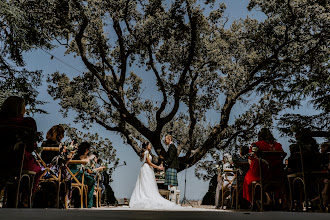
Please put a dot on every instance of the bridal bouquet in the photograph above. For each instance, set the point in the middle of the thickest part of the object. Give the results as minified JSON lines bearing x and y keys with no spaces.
{"x":160,"y":175}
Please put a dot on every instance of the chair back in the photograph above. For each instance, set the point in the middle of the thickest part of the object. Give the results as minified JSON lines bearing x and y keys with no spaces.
{"x":12,"y":152}
{"x":271,"y":165}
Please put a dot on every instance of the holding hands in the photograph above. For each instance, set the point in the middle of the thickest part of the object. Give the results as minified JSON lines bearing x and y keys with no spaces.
{"x":161,"y":167}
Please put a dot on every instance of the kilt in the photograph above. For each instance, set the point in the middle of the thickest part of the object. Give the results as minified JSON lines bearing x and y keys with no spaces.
{"x":171,"y":177}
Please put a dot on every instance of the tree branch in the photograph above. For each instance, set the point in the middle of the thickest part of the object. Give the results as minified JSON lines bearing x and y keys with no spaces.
{"x":123,"y":55}
{"x":160,"y":83}
{"x":192,"y":105}
{"x":181,"y":82}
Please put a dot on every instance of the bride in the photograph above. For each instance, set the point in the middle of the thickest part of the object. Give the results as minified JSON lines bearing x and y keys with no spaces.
{"x":146,"y":194}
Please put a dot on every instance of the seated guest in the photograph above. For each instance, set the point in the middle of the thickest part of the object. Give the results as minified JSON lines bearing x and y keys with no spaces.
{"x":224,"y":179}
{"x":310,"y":149}
{"x":325,"y":163}
{"x":95,"y":170}
{"x":325,"y":156}
{"x":12,"y":113}
{"x":53,"y":139}
{"x":56,"y":159}
{"x":95,"y":164}
{"x":242,"y":157}
{"x":227,"y":177}
{"x":294,"y":161}
{"x":108,"y":197}
{"x":266,"y":142}
{"x":100,"y":175}
{"x":83,"y":154}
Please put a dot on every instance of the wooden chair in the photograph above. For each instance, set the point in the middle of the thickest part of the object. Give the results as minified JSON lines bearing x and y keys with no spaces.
{"x":237,"y":189}
{"x":98,"y":191}
{"x":52,"y":178}
{"x":267,"y":180}
{"x":79,"y":185}
{"x":303,"y":180}
{"x":226,"y":192}
{"x":11,"y":166}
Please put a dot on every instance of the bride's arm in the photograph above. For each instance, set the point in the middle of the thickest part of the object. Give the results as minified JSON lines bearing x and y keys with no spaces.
{"x":153,"y":165}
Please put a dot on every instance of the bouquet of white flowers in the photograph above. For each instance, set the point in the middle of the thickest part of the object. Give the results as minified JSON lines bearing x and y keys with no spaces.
{"x":160,"y":174}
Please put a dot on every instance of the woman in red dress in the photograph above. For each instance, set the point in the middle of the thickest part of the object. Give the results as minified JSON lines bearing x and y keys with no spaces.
{"x":12,"y":113}
{"x":266,"y":142}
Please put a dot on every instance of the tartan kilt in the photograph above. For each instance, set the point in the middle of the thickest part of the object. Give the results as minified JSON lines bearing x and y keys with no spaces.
{"x":171,"y":177}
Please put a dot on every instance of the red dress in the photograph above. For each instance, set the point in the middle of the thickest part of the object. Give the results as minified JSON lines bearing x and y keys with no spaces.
{"x":253,"y":172}
{"x":29,"y":162}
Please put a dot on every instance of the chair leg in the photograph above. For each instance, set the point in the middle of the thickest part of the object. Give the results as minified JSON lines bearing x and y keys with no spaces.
{"x":66,"y":196}
{"x":292,"y":193}
{"x":31,"y":190}
{"x":291,"y":196}
{"x":232,"y":198}
{"x":320,"y":195}
{"x":58,"y":195}
{"x":2,"y":195}
{"x":96,"y":199}
{"x":253,"y":191}
{"x":11,"y":195}
{"x":86,"y":196}
{"x":306,"y":196}
{"x":100,"y":196}
{"x":237,"y":192}
{"x":82,"y":198}
{"x":261,"y":199}
{"x":222,"y":197}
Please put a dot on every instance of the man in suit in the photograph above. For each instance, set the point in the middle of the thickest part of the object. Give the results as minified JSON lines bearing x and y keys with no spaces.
{"x":171,"y":163}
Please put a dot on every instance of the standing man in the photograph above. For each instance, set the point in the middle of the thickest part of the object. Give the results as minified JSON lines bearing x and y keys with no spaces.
{"x":171,"y":163}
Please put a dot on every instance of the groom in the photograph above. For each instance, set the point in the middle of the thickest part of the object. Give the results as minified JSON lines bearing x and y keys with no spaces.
{"x":171,"y":163}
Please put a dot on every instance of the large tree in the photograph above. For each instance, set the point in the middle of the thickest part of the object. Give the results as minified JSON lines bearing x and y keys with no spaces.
{"x":199,"y":66}
{"x":18,"y":34}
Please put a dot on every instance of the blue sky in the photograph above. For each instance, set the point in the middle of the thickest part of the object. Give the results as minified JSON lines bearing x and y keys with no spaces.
{"x":124,"y":177}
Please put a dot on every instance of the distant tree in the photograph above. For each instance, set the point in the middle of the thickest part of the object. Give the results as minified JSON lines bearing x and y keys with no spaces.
{"x":18,"y":35}
{"x":193,"y":61}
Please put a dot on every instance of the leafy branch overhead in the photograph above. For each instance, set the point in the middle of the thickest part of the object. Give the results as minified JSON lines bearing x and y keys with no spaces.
{"x":156,"y":67}
{"x":18,"y":34}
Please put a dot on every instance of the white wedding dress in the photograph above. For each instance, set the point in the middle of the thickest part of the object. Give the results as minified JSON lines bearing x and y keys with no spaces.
{"x":145,"y":194}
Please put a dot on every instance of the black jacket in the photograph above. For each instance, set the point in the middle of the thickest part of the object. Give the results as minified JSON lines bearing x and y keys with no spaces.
{"x":171,"y":159}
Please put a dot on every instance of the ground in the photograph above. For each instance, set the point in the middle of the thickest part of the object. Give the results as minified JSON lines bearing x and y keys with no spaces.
{"x":126,"y":213}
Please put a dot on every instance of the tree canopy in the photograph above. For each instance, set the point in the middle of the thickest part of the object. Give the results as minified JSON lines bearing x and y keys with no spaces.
{"x":18,"y":34}
{"x":195,"y":62}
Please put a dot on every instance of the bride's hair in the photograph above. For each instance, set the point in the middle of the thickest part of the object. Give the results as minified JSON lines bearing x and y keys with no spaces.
{"x":144,"y":148}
